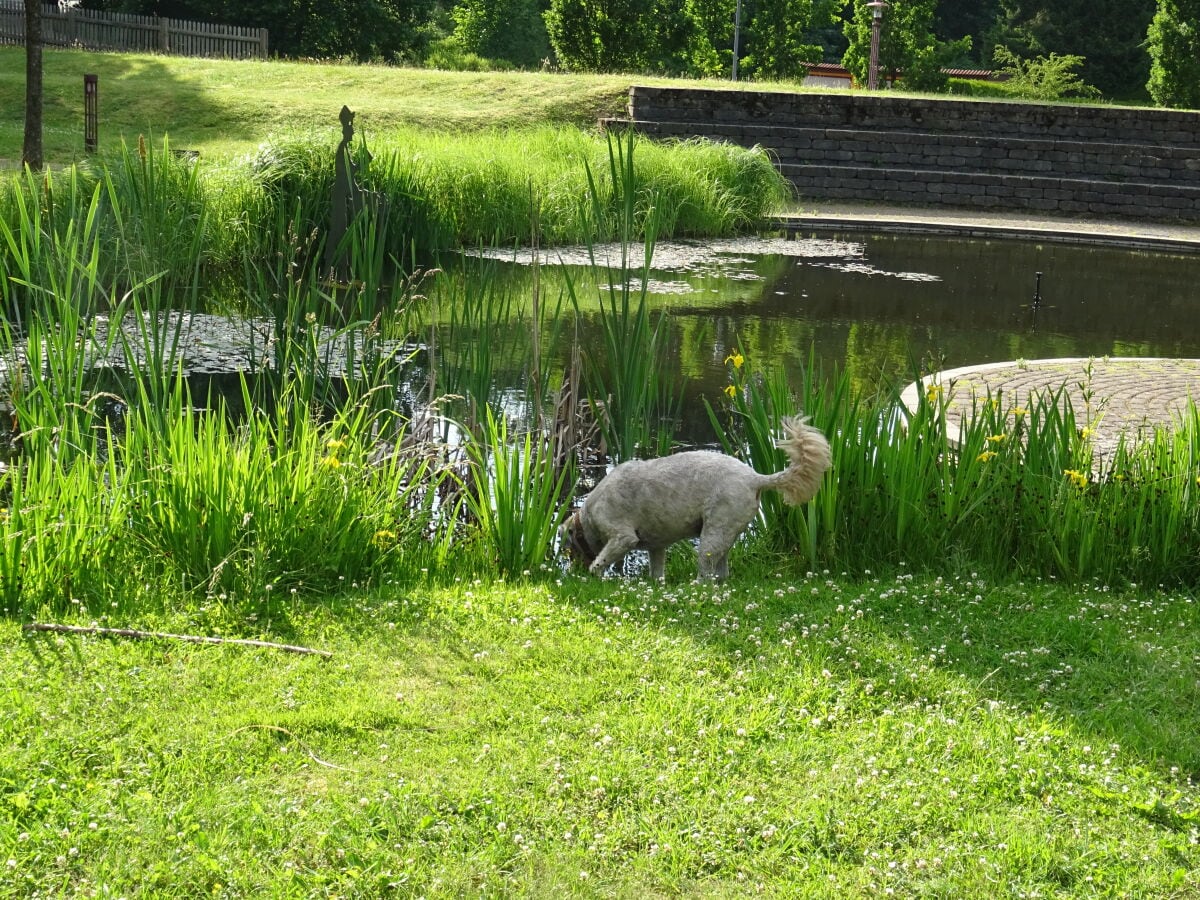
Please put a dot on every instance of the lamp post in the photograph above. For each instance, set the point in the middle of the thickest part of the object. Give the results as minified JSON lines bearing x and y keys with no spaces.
{"x":737,"y":33}
{"x":877,"y":7}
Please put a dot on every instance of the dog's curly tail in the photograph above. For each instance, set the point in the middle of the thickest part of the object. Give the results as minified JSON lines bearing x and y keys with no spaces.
{"x":809,"y":458}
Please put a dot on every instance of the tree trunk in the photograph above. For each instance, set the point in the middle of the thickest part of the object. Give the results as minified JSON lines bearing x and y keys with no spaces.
{"x":31,"y":154}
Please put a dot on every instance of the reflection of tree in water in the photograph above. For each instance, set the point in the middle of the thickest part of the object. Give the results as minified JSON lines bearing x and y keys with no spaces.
{"x":780,"y":309}
{"x":878,"y":355}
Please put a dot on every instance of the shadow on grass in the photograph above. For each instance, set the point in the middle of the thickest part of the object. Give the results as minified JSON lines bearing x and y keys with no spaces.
{"x":138,"y":95}
{"x":1118,"y":665}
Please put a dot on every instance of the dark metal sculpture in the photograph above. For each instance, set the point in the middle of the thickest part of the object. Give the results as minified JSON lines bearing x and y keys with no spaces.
{"x":349,"y":200}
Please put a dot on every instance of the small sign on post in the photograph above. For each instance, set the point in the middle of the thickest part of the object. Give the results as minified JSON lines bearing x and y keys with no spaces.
{"x":91,"y":113}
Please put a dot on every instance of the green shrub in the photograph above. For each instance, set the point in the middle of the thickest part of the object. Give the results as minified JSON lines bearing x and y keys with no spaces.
{"x":1050,"y":77}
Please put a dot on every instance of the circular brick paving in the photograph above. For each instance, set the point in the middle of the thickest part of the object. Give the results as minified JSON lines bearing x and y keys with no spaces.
{"x":1110,"y":395}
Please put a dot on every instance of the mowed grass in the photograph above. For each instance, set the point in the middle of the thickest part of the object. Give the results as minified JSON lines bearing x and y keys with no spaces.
{"x":797,"y":736}
{"x":224,"y":108}
{"x":786,"y":734}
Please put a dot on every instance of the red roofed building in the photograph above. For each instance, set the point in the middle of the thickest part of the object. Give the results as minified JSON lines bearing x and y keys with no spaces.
{"x":834,"y":75}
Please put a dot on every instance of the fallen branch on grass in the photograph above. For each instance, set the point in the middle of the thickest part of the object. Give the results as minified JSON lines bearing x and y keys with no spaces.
{"x":161,"y":635}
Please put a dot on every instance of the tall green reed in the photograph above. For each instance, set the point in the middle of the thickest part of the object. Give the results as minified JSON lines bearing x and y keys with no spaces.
{"x":465,"y":189}
{"x":757,"y":402}
{"x":327,"y":341}
{"x":1013,"y":489}
{"x":51,"y":338}
{"x":46,"y":227}
{"x":64,"y":534}
{"x":515,"y":496}
{"x":278,"y":502}
{"x":634,"y":398}
{"x":156,"y":220}
{"x":480,"y":335}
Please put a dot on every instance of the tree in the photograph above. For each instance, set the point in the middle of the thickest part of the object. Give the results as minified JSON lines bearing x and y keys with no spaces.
{"x":31,"y":149}
{"x":1174,"y":41}
{"x":778,"y":36}
{"x":978,"y":20}
{"x":1108,"y":34}
{"x":907,"y":46}
{"x":509,"y":30}
{"x":711,"y":53}
{"x":694,"y":37}
{"x":620,"y":35}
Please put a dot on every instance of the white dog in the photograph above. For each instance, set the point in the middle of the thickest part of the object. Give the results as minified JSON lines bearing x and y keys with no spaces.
{"x":651,"y":504}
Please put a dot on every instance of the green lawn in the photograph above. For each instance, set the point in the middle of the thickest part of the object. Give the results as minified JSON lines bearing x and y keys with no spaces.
{"x":227,"y":107}
{"x":796,"y":736}
{"x":787,"y":734}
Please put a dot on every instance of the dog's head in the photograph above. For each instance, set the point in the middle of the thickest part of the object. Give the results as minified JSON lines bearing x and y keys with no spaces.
{"x":573,"y":541}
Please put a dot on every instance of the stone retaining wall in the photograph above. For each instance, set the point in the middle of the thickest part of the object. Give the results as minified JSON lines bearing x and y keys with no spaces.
{"x":1081,"y":160}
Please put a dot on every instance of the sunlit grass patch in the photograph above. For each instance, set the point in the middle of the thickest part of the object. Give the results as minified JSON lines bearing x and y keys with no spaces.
{"x":820,"y":736}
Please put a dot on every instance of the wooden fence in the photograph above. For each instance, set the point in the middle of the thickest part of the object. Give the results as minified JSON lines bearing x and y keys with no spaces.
{"x":93,"y":30}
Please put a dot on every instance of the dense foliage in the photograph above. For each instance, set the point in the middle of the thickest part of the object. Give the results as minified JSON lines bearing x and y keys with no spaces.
{"x":1174,"y":40}
{"x":1043,"y":78}
{"x":907,"y":45}
{"x":619,"y":35}
{"x":1111,"y":43}
{"x":779,"y":36}
{"x":362,"y":30}
{"x":978,"y":20}
{"x":1109,"y":35}
{"x":512,"y":31}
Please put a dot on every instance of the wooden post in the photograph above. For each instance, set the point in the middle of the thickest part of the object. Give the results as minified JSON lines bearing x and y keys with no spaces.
{"x":91,"y":113}
{"x":164,"y":36}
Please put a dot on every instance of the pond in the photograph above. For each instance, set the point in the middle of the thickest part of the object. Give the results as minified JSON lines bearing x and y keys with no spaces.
{"x":874,"y":306}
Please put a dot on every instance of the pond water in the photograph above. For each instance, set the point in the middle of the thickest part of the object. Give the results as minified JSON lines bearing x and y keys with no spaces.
{"x":874,"y":306}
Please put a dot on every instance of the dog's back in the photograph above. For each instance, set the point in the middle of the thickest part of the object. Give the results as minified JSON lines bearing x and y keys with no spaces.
{"x":669,"y":499}
{"x":651,"y":504}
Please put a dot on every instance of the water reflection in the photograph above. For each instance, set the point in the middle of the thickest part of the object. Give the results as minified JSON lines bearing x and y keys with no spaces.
{"x":872,"y":306}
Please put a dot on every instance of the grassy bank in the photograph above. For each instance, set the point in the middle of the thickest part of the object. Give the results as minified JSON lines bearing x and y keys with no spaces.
{"x":808,"y":736}
{"x":215,"y":231}
{"x":225,"y":108}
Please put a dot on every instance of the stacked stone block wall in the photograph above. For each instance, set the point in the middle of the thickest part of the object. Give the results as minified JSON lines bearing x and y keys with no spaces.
{"x":1073,"y":159}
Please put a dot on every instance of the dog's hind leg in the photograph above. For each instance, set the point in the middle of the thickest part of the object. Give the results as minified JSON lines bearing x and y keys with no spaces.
{"x":712,"y":561}
{"x":716,"y":540}
{"x":613,"y":552}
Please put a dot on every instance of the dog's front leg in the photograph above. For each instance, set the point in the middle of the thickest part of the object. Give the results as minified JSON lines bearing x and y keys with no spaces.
{"x":658,"y":563}
{"x":614,"y":551}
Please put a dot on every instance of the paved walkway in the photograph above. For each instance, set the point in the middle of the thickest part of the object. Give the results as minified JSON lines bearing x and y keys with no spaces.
{"x":1109,"y":395}
{"x":830,"y":215}
{"x":1112,"y":396}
